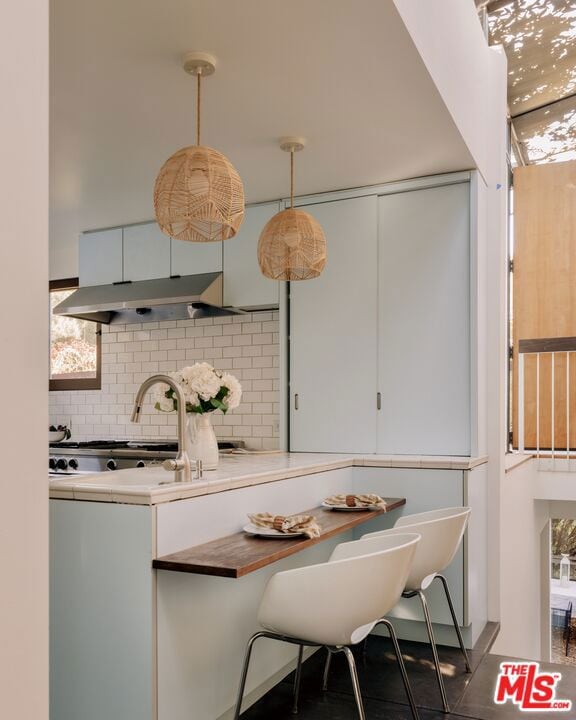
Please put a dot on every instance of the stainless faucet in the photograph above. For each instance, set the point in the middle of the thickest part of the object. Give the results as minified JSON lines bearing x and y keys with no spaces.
{"x":181,"y":464}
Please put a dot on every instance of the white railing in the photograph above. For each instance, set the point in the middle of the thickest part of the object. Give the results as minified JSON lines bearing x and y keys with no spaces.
{"x":547,"y":401}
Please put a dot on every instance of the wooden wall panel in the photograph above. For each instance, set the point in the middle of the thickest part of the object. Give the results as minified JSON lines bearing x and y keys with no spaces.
{"x":544,"y":293}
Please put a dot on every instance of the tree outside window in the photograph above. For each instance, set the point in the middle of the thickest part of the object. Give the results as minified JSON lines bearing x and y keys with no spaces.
{"x":74,"y":345}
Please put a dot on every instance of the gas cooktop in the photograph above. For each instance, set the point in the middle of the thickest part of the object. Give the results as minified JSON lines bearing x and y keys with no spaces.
{"x":167,"y":446}
{"x":92,"y":456}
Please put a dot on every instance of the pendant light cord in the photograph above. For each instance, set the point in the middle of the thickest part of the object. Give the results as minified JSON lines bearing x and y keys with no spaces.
{"x":198,"y":78}
{"x":291,"y":179}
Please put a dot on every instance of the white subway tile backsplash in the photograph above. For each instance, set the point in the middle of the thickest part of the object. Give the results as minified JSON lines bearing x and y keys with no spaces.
{"x":167,"y":345}
{"x":231,"y":352}
{"x":262,"y":362}
{"x":251,"y":327}
{"x":242,"y":340}
{"x":214,"y":330}
{"x":194,"y":331}
{"x":245,"y":345}
{"x":251,"y":350}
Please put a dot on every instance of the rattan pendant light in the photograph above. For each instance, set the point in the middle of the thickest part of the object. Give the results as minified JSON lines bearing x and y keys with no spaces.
{"x":198,"y":194}
{"x":292,"y":245}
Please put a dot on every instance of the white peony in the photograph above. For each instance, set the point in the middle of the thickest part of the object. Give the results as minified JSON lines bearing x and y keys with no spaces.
{"x":232,"y":399}
{"x":166,"y":405}
{"x":201,"y":379}
{"x":200,"y":383}
{"x":161,"y":402}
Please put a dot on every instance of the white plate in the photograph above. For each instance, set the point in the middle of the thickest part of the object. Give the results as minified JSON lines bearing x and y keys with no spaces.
{"x":349,"y":509}
{"x":252,"y":529}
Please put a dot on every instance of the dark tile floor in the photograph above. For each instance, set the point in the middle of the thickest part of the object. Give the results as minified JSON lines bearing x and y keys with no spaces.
{"x":469,"y":695}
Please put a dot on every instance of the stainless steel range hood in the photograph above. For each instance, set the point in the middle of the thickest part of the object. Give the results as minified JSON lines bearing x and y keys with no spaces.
{"x":175,"y":298}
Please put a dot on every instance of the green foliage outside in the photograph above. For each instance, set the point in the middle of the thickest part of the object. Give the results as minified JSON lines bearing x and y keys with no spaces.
{"x":72,"y":342}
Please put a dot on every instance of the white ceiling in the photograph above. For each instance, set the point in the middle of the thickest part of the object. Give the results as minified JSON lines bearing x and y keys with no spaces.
{"x":343,"y":73}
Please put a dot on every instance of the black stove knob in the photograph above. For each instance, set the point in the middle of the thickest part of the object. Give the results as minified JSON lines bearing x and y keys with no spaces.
{"x":73,"y":464}
{"x":140,"y":464}
{"x":52,"y":463}
{"x":61,"y":464}
{"x":111,"y":464}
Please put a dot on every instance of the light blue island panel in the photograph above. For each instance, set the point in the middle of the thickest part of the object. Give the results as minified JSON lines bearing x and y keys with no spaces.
{"x":101,"y":612}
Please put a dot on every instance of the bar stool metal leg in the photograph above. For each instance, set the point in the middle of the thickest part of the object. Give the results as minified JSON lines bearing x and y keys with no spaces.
{"x":455,"y":621}
{"x":245,"y":672}
{"x":355,"y":683}
{"x":297,"y":679}
{"x":422,"y":597}
{"x":400,"y":660}
{"x":326,"y":669}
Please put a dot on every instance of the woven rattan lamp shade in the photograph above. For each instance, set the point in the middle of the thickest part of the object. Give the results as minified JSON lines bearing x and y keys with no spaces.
{"x":292,"y":246}
{"x":199,"y":196}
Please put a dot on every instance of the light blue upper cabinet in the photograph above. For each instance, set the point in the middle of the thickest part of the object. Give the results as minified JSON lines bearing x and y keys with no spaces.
{"x":146,"y":252}
{"x":424,"y":321}
{"x":100,"y":257}
{"x":191,"y":258}
{"x":244,"y":284}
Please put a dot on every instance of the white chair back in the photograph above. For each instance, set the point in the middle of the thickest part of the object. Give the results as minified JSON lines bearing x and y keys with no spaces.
{"x":441,"y":531}
{"x":337,"y":603}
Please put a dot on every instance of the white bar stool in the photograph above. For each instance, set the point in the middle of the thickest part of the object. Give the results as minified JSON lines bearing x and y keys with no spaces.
{"x":334,"y":604}
{"x":441,"y":532}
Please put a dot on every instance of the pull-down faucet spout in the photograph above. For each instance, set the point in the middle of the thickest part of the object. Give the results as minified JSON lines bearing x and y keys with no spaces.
{"x":181,"y":465}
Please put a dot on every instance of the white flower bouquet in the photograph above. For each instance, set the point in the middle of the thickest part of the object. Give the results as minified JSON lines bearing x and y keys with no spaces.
{"x":205,"y":389}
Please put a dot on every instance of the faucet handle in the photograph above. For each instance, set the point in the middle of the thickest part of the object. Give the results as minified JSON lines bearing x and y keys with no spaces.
{"x":173,"y":464}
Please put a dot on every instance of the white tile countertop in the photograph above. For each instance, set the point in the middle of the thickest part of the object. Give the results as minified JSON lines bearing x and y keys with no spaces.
{"x":153,"y":485}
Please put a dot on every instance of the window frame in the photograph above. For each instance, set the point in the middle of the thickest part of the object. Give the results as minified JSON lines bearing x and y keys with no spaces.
{"x":94,"y":383}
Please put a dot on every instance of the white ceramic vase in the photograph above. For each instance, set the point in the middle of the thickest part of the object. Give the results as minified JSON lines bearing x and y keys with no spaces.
{"x":202,"y":443}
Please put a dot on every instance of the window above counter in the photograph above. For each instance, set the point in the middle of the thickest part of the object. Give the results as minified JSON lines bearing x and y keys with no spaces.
{"x":75,"y":345}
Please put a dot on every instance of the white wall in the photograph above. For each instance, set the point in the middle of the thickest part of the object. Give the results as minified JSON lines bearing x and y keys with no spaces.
{"x":529,"y":500}
{"x":471,"y":79}
{"x":23,"y":361}
{"x":496,"y":319}
{"x":522,"y":525}
{"x":450,"y":40}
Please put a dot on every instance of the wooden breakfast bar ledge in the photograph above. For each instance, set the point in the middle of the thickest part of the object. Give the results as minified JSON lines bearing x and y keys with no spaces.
{"x":237,"y":555}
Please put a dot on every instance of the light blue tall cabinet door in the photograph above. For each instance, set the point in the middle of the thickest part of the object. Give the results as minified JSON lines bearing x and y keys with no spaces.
{"x":424,"y":321}
{"x":333,"y":328}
